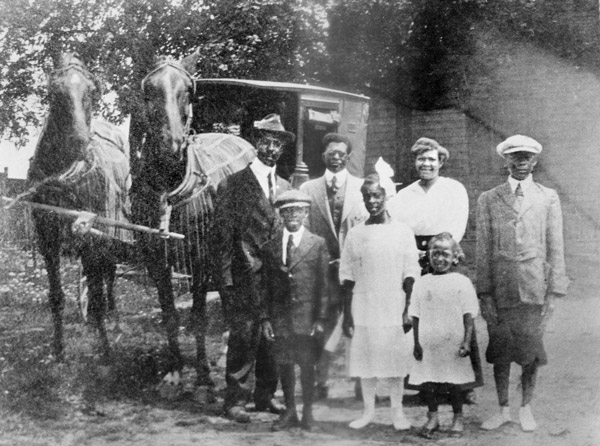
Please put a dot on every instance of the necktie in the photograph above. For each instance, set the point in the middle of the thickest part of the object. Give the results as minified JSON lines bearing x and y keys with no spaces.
{"x":289,"y":249}
{"x":270,"y":180}
{"x":519,"y":197}
{"x":334,"y":186}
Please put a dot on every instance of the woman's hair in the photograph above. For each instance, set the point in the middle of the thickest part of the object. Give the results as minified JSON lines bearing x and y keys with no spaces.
{"x":459,"y":255}
{"x":426,"y":144}
{"x":370,"y":180}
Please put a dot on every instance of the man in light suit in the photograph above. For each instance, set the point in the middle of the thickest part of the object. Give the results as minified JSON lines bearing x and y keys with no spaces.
{"x":245,"y":220}
{"x":336,"y":207}
{"x":520,"y":270}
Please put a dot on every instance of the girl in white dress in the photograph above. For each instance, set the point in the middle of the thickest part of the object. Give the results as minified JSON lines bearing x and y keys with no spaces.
{"x":443,"y":306}
{"x":377,"y":269}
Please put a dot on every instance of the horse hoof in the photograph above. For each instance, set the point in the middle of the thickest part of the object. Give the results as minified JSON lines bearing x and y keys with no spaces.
{"x":170,"y":388}
{"x":204,"y":394}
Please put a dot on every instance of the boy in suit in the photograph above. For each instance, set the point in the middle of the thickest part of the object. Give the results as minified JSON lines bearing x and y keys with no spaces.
{"x":520,"y":270}
{"x":296,"y":283}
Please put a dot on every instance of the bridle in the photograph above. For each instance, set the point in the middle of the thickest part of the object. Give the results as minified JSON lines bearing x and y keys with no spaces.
{"x":73,"y":66}
{"x":177,"y":66}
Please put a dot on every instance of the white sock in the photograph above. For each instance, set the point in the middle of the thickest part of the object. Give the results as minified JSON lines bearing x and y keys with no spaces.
{"x":368,"y":386}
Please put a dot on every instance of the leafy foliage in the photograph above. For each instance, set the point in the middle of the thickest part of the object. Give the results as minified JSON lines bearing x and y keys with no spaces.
{"x":118,"y":39}
{"x":417,"y":52}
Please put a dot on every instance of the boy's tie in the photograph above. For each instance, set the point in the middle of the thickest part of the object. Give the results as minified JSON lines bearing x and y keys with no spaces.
{"x":288,"y":251}
{"x":519,"y":197}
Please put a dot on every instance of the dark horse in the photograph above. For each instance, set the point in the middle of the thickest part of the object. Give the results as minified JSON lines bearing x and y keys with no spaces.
{"x":82,"y":164}
{"x":174,"y":188}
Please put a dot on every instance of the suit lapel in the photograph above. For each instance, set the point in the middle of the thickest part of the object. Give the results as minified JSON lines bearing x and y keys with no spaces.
{"x":306,"y":245}
{"x":323,"y":204}
{"x":506,"y":194}
{"x":349,"y":199}
{"x":529,"y":199}
{"x":252,"y":187}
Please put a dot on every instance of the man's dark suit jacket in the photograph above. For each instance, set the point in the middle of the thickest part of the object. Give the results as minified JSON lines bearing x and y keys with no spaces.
{"x":245,"y":221}
{"x":297,"y":294}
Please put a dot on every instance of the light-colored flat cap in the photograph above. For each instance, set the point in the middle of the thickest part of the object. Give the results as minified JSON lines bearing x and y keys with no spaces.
{"x":292,"y":198}
{"x":518,"y":143}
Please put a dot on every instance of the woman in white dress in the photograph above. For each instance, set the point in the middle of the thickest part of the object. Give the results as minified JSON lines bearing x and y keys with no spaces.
{"x":378,"y":267}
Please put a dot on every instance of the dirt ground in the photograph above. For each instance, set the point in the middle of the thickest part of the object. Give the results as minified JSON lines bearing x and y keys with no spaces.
{"x":82,"y":403}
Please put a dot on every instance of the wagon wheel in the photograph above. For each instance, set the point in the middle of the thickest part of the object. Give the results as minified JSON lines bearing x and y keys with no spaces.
{"x":82,"y":295}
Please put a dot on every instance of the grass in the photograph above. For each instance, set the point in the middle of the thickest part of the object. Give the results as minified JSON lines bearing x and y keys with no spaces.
{"x":33,"y":384}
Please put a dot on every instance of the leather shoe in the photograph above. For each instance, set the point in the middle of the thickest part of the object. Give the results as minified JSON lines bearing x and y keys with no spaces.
{"x":431,"y":426}
{"x":238,"y":414}
{"x":271,"y":405}
{"x":288,"y":420}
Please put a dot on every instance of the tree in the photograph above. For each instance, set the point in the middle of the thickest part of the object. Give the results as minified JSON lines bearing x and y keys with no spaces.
{"x":118,"y":40}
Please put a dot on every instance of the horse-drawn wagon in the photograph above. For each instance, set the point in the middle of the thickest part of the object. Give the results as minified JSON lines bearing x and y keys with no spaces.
{"x":184,"y":150}
{"x":308,"y":111}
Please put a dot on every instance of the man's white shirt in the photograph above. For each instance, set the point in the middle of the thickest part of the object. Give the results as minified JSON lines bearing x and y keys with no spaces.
{"x":340,"y":177}
{"x":261,"y":171}
{"x":525,"y":184}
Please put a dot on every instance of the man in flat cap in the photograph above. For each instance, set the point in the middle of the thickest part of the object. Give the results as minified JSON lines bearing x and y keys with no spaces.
{"x":295,"y":274}
{"x":245,"y":219}
{"x":336,"y":207}
{"x":520,"y":270}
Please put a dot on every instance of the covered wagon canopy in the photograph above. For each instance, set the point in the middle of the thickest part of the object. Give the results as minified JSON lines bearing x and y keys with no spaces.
{"x":308,"y":111}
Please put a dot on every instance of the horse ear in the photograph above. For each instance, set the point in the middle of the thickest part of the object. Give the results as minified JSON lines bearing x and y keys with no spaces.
{"x":190,"y":62}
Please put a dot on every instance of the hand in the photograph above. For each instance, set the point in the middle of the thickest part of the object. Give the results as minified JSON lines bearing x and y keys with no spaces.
{"x":488,"y":308}
{"x":418,"y":352}
{"x":267,"y":331}
{"x":464,"y":349}
{"x":318,"y":331}
{"x":406,"y":321}
{"x":348,"y":325}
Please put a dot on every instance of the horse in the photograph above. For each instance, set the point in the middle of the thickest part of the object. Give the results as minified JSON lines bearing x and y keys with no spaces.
{"x":79,"y":163}
{"x":174,"y":186}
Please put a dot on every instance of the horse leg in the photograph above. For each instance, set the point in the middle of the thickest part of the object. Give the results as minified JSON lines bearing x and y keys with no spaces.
{"x":110,"y":275}
{"x":162,"y":279}
{"x":95,"y":269}
{"x":199,"y":325}
{"x":48,"y":231}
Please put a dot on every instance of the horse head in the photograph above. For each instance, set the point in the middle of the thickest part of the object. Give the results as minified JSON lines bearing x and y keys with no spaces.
{"x":72,"y":92}
{"x":167,"y":91}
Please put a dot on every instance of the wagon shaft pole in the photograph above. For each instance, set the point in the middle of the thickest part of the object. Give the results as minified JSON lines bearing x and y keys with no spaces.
{"x":101,"y":220}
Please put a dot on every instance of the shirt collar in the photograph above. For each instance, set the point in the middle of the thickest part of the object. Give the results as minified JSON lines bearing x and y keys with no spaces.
{"x":297,"y":235}
{"x":340,"y":176}
{"x":525,"y":184}
{"x":260,"y":169}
